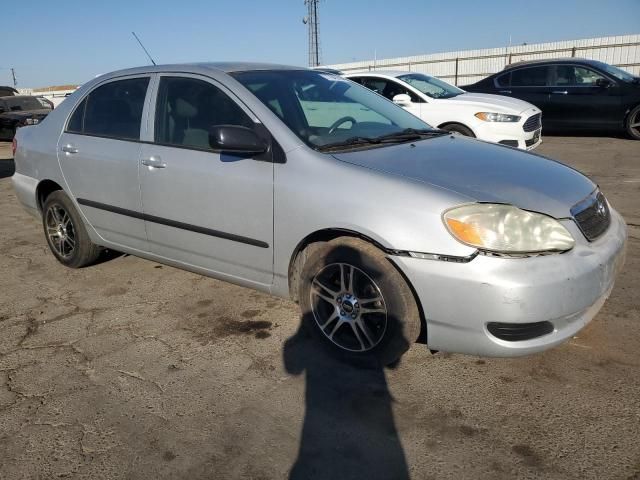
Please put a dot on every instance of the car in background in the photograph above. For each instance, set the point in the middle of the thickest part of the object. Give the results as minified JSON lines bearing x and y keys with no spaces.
{"x":18,"y":111}
{"x":309,"y":186}
{"x":574,"y":94}
{"x":45,"y":102}
{"x":492,"y":118}
{"x":7,"y":91}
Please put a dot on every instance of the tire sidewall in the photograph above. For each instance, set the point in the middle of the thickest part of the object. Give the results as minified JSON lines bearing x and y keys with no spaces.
{"x":84,"y":250}
{"x":403,"y":323}
{"x":632,"y":133}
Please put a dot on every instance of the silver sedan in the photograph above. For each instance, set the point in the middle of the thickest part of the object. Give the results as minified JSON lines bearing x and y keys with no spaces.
{"x":308,"y":186}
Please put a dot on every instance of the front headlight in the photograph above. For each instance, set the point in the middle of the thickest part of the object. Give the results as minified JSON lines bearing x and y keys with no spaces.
{"x":506,"y":229}
{"x":31,"y":121}
{"x":497,"y":117}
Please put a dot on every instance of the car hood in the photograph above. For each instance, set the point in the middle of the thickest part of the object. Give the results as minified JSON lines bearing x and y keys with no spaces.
{"x":481,"y":172}
{"x":486,"y":102}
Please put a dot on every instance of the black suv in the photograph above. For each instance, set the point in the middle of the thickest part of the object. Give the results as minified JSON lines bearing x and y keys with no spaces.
{"x":573,"y":93}
{"x":17,"y":111}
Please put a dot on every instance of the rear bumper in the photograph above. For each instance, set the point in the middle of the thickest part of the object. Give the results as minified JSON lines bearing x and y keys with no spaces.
{"x":459,"y":300}
{"x":25,"y":188}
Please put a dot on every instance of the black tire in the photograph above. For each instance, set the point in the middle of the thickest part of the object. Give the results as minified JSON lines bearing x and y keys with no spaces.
{"x":457,"y":128}
{"x":65,"y":232}
{"x":632,"y":124}
{"x":384,"y":344}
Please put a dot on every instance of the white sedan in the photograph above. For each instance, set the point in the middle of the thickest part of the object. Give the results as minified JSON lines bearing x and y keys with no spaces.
{"x":493,"y":118}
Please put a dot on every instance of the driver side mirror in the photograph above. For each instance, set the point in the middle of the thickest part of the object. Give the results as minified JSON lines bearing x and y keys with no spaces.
{"x":236,"y":139}
{"x":603,"y":83}
{"x":402,"y":99}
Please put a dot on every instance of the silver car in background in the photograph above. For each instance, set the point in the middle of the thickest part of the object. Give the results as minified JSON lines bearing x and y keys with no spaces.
{"x":308,"y":186}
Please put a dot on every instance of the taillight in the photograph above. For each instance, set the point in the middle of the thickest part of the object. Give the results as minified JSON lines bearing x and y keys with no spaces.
{"x":14,"y":146}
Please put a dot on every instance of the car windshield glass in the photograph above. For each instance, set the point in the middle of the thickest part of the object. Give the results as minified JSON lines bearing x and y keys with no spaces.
{"x":431,"y":86}
{"x":327,"y":110}
{"x":16,"y":104}
{"x":617,"y":72}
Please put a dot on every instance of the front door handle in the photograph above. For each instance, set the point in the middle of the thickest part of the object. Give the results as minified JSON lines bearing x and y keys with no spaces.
{"x":560,"y":92}
{"x":154,"y":161}
{"x":504,"y":91}
{"x":69,"y":149}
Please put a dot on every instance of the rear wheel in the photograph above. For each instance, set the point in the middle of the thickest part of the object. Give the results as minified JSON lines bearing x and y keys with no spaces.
{"x":356,"y":303}
{"x":65,"y":232}
{"x":633,"y":123}
{"x":459,"y":129}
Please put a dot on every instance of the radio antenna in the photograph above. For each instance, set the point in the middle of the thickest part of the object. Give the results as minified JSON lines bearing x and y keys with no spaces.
{"x":145,"y":50}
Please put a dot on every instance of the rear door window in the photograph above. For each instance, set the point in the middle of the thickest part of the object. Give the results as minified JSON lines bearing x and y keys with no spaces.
{"x":113,"y":110}
{"x":530,"y":77}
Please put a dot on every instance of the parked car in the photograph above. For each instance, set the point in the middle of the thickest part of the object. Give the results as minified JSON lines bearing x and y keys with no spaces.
{"x":492,"y":118}
{"x":574,"y":94}
{"x":45,"y":102}
{"x":18,"y":111}
{"x":308,"y":186}
{"x":7,"y":91}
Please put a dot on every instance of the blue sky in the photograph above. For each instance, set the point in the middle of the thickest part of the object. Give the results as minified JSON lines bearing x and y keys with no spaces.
{"x":76,"y":40}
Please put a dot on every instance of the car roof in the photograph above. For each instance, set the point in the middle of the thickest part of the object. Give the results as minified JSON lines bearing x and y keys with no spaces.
{"x":551,"y":60}
{"x":387,"y":73}
{"x":226,"y":67}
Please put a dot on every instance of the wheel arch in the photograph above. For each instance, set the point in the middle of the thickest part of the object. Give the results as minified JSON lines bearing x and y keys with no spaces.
{"x":43,"y":190}
{"x":446,"y":124}
{"x":327,"y":234}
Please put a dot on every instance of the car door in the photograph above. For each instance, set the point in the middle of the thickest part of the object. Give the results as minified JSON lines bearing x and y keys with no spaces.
{"x":204,"y":208}
{"x":99,"y":151}
{"x":530,"y":84}
{"x":579,"y":99}
{"x":390,"y":88}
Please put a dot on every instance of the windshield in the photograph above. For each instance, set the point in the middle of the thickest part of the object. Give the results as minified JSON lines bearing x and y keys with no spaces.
{"x":616,"y":72}
{"x":431,"y":86}
{"x":324,"y":109}
{"x":16,"y":104}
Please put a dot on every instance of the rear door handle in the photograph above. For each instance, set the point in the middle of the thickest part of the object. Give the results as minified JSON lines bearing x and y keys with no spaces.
{"x":69,"y":149}
{"x":560,"y":92}
{"x":504,"y":91}
{"x":154,"y":161}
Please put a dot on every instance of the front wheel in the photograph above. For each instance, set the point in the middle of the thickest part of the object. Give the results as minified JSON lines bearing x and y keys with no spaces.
{"x":633,"y":123}
{"x":356,"y":303}
{"x":65,"y":232}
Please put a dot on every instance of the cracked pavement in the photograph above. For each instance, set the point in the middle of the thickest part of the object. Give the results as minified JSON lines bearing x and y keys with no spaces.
{"x":131,"y":369}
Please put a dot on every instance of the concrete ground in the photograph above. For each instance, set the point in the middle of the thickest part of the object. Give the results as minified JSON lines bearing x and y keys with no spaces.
{"x":130,"y":369}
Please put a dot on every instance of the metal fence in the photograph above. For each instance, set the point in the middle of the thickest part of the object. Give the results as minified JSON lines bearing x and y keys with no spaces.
{"x":469,"y":66}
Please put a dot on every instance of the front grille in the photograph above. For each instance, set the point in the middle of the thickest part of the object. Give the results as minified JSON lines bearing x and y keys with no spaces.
{"x":533,"y":123}
{"x":516,"y":332}
{"x":509,"y":143}
{"x":592,"y":215}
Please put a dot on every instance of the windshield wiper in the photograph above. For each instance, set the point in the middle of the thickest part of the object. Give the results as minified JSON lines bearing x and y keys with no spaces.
{"x":405,"y":135}
{"x":349,"y":142}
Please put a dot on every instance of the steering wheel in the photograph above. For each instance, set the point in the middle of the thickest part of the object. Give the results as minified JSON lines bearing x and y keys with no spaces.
{"x":340,"y":121}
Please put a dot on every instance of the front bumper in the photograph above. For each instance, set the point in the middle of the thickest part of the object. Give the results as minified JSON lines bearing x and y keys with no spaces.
{"x":510,"y":133}
{"x":460,"y":299}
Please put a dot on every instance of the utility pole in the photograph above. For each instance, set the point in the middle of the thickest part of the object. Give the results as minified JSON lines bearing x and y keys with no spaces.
{"x":313,"y":23}
{"x":13,"y":74}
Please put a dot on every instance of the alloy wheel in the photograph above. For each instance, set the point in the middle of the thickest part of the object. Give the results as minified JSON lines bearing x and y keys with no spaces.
{"x":60,"y":230}
{"x":348,"y":307}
